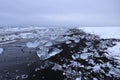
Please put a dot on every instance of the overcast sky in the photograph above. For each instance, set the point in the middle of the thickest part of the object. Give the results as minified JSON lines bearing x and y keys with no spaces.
{"x":60,"y":12}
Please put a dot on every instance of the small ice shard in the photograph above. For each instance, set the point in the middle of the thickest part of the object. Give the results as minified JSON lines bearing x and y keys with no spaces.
{"x":54,"y":52}
{"x":1,"y":50}
{"x":76,"y":40}
{"x":24,"y":76}
{"x":75,"y":64}
{"x":53,"y":37}
{"x":32,"y":44}
{"x":37,"y":69}
{"x":68,"y":42}
{"x":84,"y":56}
{"x":79,"y":78}
{"x":48,"y":44}
{"x":60,"y":39}
{"x":43,"y":41}
{"x":85,"y":50}
{"x":96,"y":68}
{"x":75,"y":56}
{"x":96,"y":54}
{"x":42,"y":54}
{"x":91,"y":62}
{"x":57,"y":67}
{"x":67,"y":38}
{"x":95,"y":79}
{"x":17,"y":77}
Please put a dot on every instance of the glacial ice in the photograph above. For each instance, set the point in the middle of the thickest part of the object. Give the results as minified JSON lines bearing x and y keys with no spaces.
{"x":79,"y":78}
{"x":32,"y":44}
{"x":54,"y":52}
{"x":84,"y":56}
{"x":48,"y":44}
{"x":1,"y":50}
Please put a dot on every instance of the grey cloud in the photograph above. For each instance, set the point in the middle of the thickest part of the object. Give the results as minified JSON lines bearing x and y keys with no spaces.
{"x":50,"y":12}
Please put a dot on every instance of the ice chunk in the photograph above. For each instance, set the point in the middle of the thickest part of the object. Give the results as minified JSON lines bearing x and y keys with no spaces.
{"x":91,"y":62}
{"x":54,"y":52}
{"x":42,"y":54}
{"x":85,"y":50}
{"x":96,"y":54}
{"x":75,"y":56}
{"x":95,"y":79}
{"x":75,"y":64}
{"x":84,"y":56}
{"x":68,"y":42}
{"x":1,"y":50}
{"x":37,"y":69}
{"x":96,"y":68}
{"x":79,"y":78}
{"x":48,"y":44}
{"x":32,"y":44}
{"x":57,"y":67}
{"x":43,"y":41}
{"x":76,"y":40}
{"x":24,"y":76}
{"x":67,"y":38}
{"x":53,"y":37}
